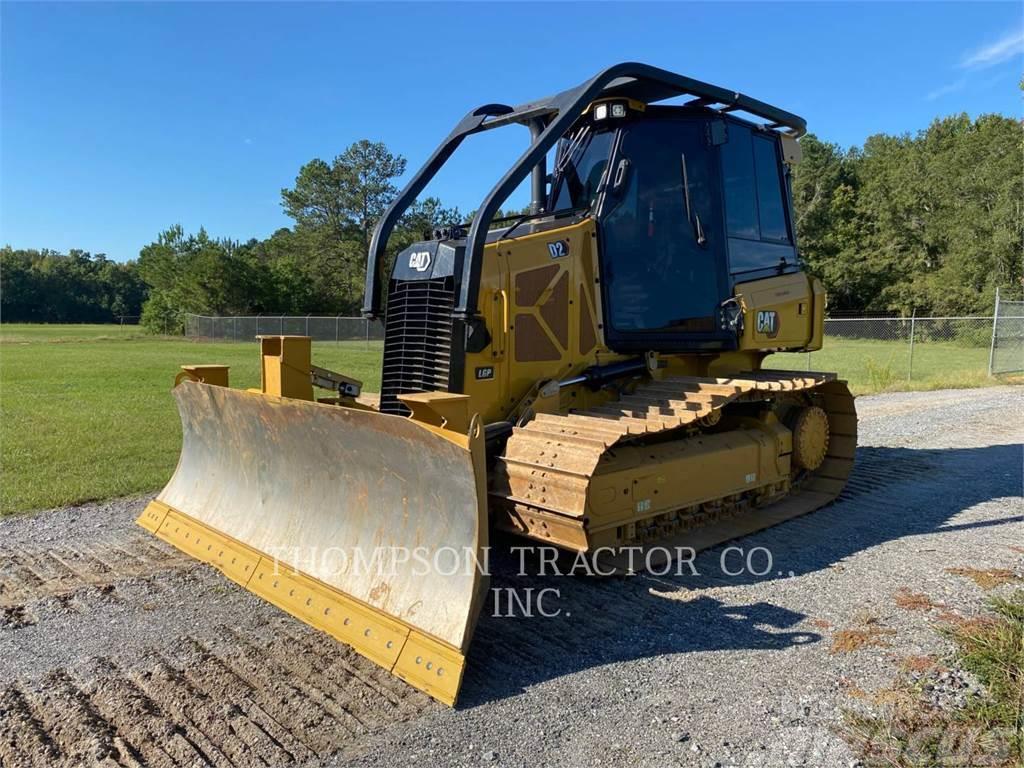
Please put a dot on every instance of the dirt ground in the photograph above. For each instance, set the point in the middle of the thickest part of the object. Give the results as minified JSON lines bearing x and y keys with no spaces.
{"x":116,"y":650}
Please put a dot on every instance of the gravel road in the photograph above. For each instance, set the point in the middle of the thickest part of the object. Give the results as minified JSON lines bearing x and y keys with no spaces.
{"x":117,"y":650}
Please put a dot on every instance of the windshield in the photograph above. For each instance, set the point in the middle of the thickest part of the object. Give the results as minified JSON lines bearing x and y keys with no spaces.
{"x":582,"y":159}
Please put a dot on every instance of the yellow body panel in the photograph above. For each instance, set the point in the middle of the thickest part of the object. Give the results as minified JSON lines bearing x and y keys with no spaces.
{"x":798,"y":304}
{"x":641,"y":481}
{"x":541,"y":312}
{"x":285,"y":363}
{"x":544,"y":315}
{"x":216,"y":375}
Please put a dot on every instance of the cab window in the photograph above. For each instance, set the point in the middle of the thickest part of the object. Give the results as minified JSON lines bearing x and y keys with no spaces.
{"x":754,"y":204}
{"x":580,"y":166}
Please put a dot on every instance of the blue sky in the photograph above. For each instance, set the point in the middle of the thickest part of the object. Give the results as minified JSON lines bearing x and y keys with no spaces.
{"x":119,"y":120}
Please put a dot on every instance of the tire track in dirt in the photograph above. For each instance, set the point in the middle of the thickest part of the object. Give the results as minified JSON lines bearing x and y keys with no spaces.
{"x":240,"y":695}
{"x":296,"y":698}
{"x":28,"y":574}
{"x":24,"y":738}
{"x":883,"y":467}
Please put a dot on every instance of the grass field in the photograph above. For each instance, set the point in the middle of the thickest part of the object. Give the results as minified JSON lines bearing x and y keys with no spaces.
{"x":86,"y":411}
{"x":884,"y":366}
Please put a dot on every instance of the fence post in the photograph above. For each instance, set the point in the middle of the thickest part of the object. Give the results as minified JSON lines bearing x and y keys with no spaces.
{"x":337,"y":328}
{"x":992,"y":346}
{"x":910,"y":365}
{"x":307,"y":325}
{"x":280,"y":326}
{"x":366,"y":322}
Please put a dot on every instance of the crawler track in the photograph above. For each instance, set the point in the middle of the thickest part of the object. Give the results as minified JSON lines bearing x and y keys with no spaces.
{"x":548,"y":463}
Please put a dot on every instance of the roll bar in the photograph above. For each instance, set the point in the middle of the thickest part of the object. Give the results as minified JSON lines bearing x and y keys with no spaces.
{"x":548,"y":119}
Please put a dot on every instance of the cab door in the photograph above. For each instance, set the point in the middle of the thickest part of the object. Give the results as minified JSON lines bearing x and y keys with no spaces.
{"x":662,"y":250}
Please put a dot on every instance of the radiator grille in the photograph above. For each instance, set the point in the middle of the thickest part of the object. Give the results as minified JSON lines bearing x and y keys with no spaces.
{"x":417,"y":340}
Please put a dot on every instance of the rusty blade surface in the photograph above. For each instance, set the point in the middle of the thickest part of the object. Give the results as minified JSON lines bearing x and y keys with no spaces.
{"x":327,"y":489}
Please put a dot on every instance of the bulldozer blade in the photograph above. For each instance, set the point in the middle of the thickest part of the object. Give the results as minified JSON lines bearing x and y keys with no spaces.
{"x":368,"y":526}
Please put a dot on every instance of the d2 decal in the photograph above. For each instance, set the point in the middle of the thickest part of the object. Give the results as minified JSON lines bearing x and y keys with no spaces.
{"x":558,"y":249}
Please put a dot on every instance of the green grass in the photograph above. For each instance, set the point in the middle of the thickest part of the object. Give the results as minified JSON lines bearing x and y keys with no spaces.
{"x":87,"y":414}
{"x":883,"y":366}
{"x":86,"y":411}
{"x":993,"y":651}
{"x":29,"y":332}
{"x":986,"y":728}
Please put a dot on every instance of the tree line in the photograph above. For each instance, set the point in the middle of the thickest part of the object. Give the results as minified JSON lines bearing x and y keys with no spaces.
{"x":76,"y":287}
{"x":931,"y":222}
{"x":315,"y":266}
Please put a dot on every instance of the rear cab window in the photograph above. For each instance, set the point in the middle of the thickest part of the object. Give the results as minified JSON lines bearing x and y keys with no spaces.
{"x":757,"y":221}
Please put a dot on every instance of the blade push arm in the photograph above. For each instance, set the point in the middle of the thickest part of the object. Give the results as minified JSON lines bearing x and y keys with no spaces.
{"x":345,"y":386}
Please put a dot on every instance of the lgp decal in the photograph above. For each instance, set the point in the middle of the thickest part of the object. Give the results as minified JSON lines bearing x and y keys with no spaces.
{"x":558,"y":249}
{"x":485,"y":372}
{"x":768,"y":323}
{"x":419,"y":260}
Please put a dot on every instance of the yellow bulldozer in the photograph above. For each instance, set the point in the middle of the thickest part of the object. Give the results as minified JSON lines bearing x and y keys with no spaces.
{"x":588,"y":375}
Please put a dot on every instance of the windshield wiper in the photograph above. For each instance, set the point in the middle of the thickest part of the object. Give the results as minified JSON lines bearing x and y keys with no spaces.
{"x":686,"y":187}
{"x":577,"y":140}
{"x":694,"y":219}
{"x":543,"y":214}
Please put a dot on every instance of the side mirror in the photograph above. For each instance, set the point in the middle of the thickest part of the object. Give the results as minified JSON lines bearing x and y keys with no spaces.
{"x":621,"y":172}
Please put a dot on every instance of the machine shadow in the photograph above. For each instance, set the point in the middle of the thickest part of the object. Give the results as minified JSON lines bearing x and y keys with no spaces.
{"x":594,"y":621}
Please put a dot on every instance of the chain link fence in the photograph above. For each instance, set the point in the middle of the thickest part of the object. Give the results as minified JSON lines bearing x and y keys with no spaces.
{"x":878,"y":353}
{"x":318,"y":327}
{"x":1006,"y":354}
{"x":872,"y":353}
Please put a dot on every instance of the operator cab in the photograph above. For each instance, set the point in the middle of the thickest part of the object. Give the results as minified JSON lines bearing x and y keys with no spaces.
{"x":688,"y":202}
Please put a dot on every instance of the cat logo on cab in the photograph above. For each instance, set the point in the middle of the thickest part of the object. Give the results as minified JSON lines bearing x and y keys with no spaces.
{"x":768,"y":323}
